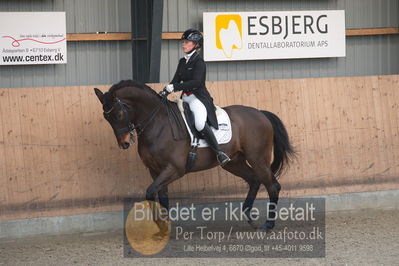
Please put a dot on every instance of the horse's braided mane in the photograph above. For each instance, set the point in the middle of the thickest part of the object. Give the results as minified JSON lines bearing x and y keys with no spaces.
{"x":130,"y":83}
{"x":109,"y":96}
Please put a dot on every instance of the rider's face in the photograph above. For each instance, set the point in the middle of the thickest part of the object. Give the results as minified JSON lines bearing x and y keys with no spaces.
{"x":187,"y":46}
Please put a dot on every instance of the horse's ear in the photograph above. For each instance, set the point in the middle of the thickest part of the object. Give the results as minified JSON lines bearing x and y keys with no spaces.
{"x":99,"y":94}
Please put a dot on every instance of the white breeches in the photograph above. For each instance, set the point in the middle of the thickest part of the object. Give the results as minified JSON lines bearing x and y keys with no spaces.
{"x":198,"y":109}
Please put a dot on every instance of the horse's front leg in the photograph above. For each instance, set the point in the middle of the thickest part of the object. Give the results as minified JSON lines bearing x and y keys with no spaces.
{"x":163,"y":195}
{"x":159,"y":185}
{"x":165,"y":177}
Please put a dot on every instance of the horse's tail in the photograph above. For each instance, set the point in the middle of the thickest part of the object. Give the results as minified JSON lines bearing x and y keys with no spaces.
{"x":283,"y":151}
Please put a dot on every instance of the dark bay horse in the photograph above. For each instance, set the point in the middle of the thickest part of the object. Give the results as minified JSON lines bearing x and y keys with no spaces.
{"x":130,"y":106}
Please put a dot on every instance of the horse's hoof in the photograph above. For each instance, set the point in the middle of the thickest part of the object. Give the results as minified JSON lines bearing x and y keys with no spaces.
{"x":251,"y":223}
{"x":159,"y":236}
{"x":268,"y":225}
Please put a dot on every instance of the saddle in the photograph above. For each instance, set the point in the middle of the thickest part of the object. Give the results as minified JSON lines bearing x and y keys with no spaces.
{"x":223,"y":135}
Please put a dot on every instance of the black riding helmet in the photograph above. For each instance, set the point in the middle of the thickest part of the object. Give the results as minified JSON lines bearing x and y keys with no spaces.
{"x":194,"y":36}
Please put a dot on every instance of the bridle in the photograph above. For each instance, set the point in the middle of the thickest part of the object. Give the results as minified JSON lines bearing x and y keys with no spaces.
{"x":130,"y":127}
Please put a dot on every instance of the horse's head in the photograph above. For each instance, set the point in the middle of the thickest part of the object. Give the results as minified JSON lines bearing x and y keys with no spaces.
{"x":119,"y":115}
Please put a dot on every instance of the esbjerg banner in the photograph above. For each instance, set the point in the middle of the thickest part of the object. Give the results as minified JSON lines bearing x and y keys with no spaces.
{"x":28,"y":38}
{"x":230,"y":36}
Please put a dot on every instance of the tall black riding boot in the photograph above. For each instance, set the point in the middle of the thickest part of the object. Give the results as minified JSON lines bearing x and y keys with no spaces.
{"x":208,"y":135}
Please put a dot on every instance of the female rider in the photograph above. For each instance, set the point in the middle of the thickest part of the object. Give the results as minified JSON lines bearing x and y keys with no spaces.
{"x":190,"y":79}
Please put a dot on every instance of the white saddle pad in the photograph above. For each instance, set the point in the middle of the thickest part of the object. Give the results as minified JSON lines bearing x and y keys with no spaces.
{"x":223,"y":134}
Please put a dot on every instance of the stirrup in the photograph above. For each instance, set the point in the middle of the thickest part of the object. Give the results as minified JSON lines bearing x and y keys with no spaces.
{"x":223,"y":158}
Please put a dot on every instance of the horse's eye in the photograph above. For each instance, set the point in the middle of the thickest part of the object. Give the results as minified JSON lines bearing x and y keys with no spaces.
{"x":119,"y":116}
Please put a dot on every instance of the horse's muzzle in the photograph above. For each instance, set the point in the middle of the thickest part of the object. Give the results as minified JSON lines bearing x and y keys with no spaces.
{"x":125,"y":145}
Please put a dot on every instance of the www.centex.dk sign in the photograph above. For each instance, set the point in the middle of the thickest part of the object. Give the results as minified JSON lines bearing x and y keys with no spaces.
{"x":28,"y":38}
{"x":232,"y":36}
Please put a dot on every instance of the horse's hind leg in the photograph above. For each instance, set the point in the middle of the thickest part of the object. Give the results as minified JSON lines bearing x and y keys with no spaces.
{"x":239,"y":167}
{"x":265,"y":176}
{"x":258,"y":154}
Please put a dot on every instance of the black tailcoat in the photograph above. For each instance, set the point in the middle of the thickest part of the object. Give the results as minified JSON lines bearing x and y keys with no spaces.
{"x":190,"y":77}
